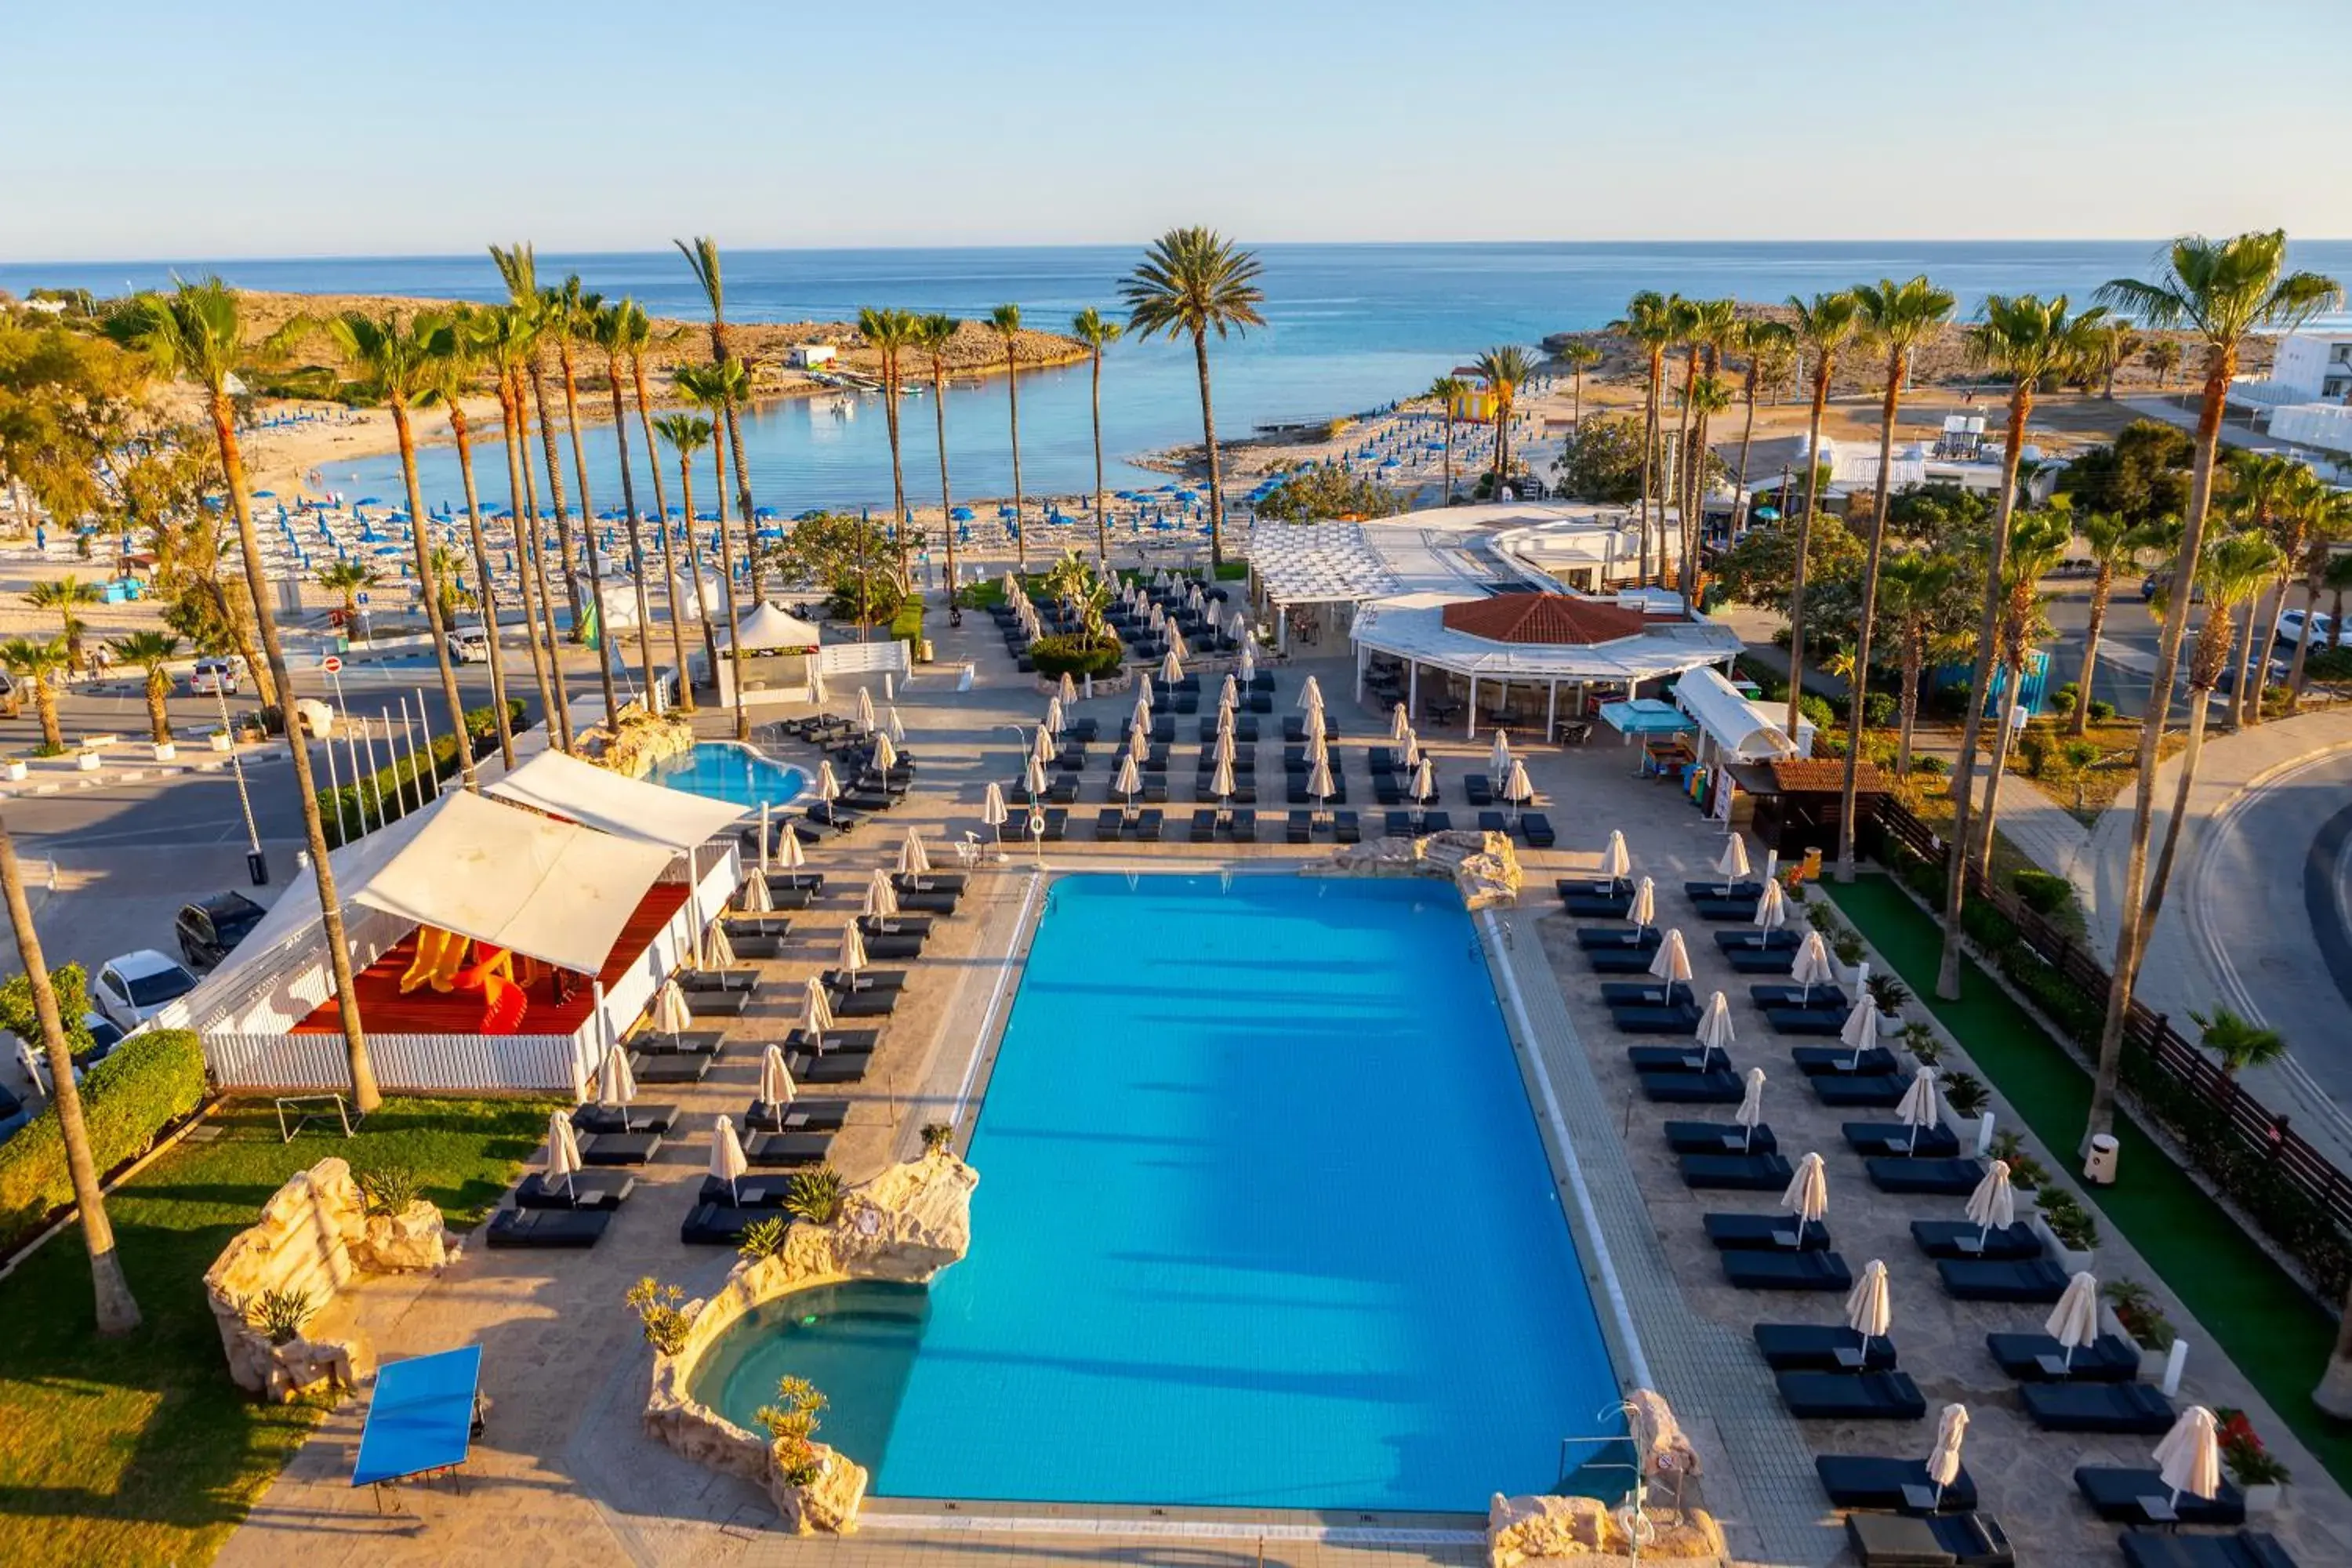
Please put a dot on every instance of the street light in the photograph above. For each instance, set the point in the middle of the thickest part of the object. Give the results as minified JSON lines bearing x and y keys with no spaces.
{"x":257,"y":864}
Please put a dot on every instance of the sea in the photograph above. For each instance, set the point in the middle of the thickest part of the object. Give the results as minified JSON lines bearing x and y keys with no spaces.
{"x":1349,"y":329}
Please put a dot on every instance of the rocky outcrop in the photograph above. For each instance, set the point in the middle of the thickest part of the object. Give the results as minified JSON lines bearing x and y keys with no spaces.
{"x":313,"y":1238}
{"x":907,"y":1224}
{"x":645,"y":739}
{"x":1582,"y":1530}
{"x":1482,"y":865}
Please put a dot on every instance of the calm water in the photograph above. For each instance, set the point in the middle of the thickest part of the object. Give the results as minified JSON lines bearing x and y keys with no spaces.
{"x":1349,"y":327}
{"x":736,"y":775}
{"x":1262,"y":1220}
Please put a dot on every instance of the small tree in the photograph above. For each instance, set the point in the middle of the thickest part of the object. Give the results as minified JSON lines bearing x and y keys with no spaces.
{"x":64,"y":595}
{"x":347,"y":578}
{"x":153,"y":652}
{"x":2239,"y":1041}
{"x":792,"y":1421}
{"x":37,"y":664}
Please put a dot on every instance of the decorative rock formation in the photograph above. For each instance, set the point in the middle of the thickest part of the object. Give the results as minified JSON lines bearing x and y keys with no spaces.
{"x":645,"y":739}
{"x":907,"y":1224}
{"x":1483,"y":865}
{"x":1563,"y":1529}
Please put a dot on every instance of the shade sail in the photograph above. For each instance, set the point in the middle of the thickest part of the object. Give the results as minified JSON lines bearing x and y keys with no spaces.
{"x":565,"y":786}
{"x":552,"y":891}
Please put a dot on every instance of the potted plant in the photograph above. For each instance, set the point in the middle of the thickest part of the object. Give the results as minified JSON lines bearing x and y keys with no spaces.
{"x":2127,"y":1310}
{"x":2065,"y":1228}
{"x":18,"y":768}
{"x":2250,"y":1465}
{"x":1966,"y":1096}
{"x":1848,"y":947}
{"x":166,"y":751}
{"x":2026,"y":1174}
{"x":221,"y":739}
{"x":1919,"y":1039}
{"x":1888,"y":994}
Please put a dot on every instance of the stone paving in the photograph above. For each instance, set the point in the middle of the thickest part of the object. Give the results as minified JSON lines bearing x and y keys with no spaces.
{"x":564,"y":1468}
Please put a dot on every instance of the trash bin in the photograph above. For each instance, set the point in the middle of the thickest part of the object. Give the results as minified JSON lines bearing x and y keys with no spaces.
{"x":257,"y":866}
{"x":2100,"y":1165}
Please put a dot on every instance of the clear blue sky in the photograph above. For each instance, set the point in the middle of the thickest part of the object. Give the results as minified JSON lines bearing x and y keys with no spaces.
{"x":154,"y":128}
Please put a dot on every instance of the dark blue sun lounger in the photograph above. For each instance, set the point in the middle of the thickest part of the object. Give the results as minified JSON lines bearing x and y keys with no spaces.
{"x":2119,"y":1493}
{"x":1765,"y":1233}
{"x":1645,"y":1020}
{"x":2033,"y":1280}
{"x":1718,"y":1088}
{"x":1863,"y":1481}
{"x":1619,"y":961}
{"x":2040,"y":1358}
{"x":1839,"y":1061}
{"x":1807,"y":1347}
{"x":1753,"y":940}
{"x":1932,"y":1178}
{"x":1719,"y":1138}
{"x":1851,"y":1396}
{"x":580,"y":1190}
{"x":1859,"y":1093}
{"x":548,"y":1227}
{"x":1895,"y":1140}
{"x":1600,"y":908}
{"x":1929,"y":1541}
{"x":1647,"y":994}
{"x":2247,"y":1549}
{"x":1803,"y":1021}
{"x":2119,"y":1408}
{"x":1810,"y":999}
{"x":1605,"y":939}
{"x":1787,"y":1270}
{"x":1736,"y":1172}
{"x":1761,"y":960}
{"x":1693,"y":1058}
{"x":1967,"y":1240}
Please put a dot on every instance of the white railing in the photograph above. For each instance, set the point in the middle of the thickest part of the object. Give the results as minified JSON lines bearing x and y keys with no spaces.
{"x":404,"y":1064}
{"x":889,"y":657}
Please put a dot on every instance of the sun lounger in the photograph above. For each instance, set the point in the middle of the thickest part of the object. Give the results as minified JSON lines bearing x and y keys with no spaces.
{"x":753,"y":1192}
{"x":548,"y":1227}
{"x":1592,"y":887}
{"x":1619,"y":961}
{"x":702,"y":983}
{"x":1933,"y":1178}
{"x":2035,"y":1280}
{"x":1736,"y":1172}
{"x":1966,"y":1240}
{"x":1805,"y":998}
{"x":934,"y":904}
{"x":1599,"y":909}
{"x":1849,"y":1396}
{"x":865,"y":980}
{"x":796,"y":1040}
{"x":619,"y":1148}
{"x":2119,"y":1408}
{"x":1934,"y":1540}
{"x":720,"y":1003}
{"x":786,"y":1150}
{"x":1494,"y":822}
{"x":721,"y":1224}
{"x":1536,"y":829}
{"x":1718,"y":889}
{"x":2247,"y":1549}
{"x":1058,"y":819}
{"x":1765,"y":1233}
{"x":900,"y":946}
{"x":685,"y":1043}
{"x":1299,"y":828}
{"x":1864,"y":1480}
{"x":2124,"y":1495}
{"x":801,"y":1115}
{"x":1347,"y":827}
{"x":790,"y":897}
{"x":1479,"y":789}
{"x":1767,"y":960}
{"x":1892,"y":1139}
{"x":670,"y":1068}
{"x":580,"y":1190}
{"x":756,"y":944}
{"x":1839,"y":1061}
{"x":1803,"y":1021}
{"x":1859,"y":1093}
{"x":1437,"y":822}
{"x":1719,"y":1138}
{"x":929,"y":882}
{"x":1787,"y":1270}
{"x":1721,"y":1087}
{"x":1724,"y":910}
{"x":1654,"y":1020}
{"x":1690,"y":1057}
{"x":871,"y":800}
{"x":624,"y":1118}
{"x":834,"y":1065}
{"x":867,"y":1003}
{"x":1647,"y":994}
{"x":896,"y":925}
{"x":1204,"y":825}
{"x":1242,"y":827}
{"x":1809,"y":1347}
{"x":2040,"y":1358}
{"x":739,"y":927}
{"x":1758,"y":941}
{"x":1606,"y":939}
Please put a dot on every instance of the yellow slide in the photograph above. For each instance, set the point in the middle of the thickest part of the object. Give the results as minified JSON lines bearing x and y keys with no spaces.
{"x":439,"y":955}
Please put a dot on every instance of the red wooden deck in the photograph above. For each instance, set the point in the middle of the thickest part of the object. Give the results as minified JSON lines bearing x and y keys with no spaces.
{"x":426,"y":1011}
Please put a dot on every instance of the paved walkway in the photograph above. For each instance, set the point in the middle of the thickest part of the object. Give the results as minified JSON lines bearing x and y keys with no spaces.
{"x":2042,"y":830}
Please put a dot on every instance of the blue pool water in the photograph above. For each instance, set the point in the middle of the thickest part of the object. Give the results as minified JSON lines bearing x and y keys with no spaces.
{"x":731,"y":772}
{"x":1262,"y":1220}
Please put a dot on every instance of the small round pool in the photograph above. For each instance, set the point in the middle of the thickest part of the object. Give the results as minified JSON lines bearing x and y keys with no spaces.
{"x":736,"y":774}
{"x":855,"y":1341}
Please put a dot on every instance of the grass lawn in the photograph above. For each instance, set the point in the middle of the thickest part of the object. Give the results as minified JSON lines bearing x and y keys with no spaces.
{"x":2263,"y":1319}
{"x":141,"y":1450}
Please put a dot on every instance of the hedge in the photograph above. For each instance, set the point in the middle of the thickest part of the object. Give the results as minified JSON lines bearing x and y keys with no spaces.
{"x":148,"y":1082}
{"x":1062,"y":654}
{"x":907,"y":626}
{"x":388,"y":793}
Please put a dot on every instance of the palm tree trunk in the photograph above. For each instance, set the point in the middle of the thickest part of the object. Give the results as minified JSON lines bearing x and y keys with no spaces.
{"x":537,"y":566}
{"x":2245,"y":666}
{"x":1102,"y":524}
{"x":1912,"y":660}
{"x":159,"y":721}
{"x":744,"y":509}
{"x":525,"y":514}
{"x":1013,"y":412}
{"x":1804,"y":544}
{"x":1502,"y":442}
{"x":2302,"y":643}
{"x":2191,"y":752}
{"x":946,"y":517}
{"x":428,"y":587}
{"x":1947,"y":973}
{"x":899,"y":522}
{"x":636,"y":540}
{"x":1682,"y":461}
{"x":117,"y":1311}
{"x":661,"y":509}
{"x":588,"y":537}
{"x":1216,"y":471}
{"x":463,"y":436}
{"x":1858,"y":687}
{"x":1649,"y":457}
{"x":2334,"y":1394}
{"x":1747,"y":440}
{"x":2270,"y":639}
{"x":364,"y":1094}
{"x":727,"y":596}
{"x":1576,"y":409}
{"x":2131,"y":938}
{"x":702,"y":608}
{"x":2100,"y":586}
{"x":555,"y":497}
{"x":2013,"y":673}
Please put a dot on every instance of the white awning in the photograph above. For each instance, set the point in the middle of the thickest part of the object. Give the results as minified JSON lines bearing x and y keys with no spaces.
{"x":1414,"y":628}
{"x":552,"y":891}
{"x":582,"y":791}
{"x":767,"y":629}
{"x":1316,"y":562}
{"x":1746,"y":731}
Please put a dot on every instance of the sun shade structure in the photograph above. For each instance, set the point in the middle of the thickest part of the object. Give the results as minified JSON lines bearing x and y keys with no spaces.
{"x":767,"y":629}
{"x":1736,"y":730}
{"x":597,"y":797}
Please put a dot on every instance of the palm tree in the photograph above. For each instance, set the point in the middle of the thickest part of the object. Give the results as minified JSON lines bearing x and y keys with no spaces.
{"x":507,"y":332}
{"x":687,"y":435}
{"x":1702,"y":401}
{"x":2239,"y":1041}
{"x":1707,"y":326}
{"x":2023,"y":338}
{"x":2115,"y":544}
{"x":1449,"y":391}
{"x":568,"y":313}
{"x":39,"y":664}
{"x":1579,"y":357}
{"x":1505,"y":368}
{"x":889,"y":331}
{"x":454,"y":365}
{"x":1092,"y":328}
{"x":520,"y":269}
{"x":1005,"y":320}
{"x":618,"y":329}
{"x":2037,"y":541}
{"x":66,"y":594}
{"x":2289,"y":496}
{"x":153,"y":652}
{"x":1821,"y":327}
{"x":2330,"y":522}
{"x":1765,"y":343}
{"x":1895,"y":318}
{"x":1193,"y":282}
{"x":2220,"y":292}
{"x":933,"y":334}
{"x":1650,"y":323}
{"x":2111,"y":347}
{"x":117,"y":1310}
{"x":195,"y":331}
{"x":637,"y":336}
{"x":2163,"y":357}
{"x":1913,"y":585}
{"x":396,"y":357}
{"x":717,"y":387}
{"x":702,"y":256}
{"x":347,"y":578}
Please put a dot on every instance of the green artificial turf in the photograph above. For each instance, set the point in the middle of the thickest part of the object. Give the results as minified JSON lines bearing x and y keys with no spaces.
{"x":2265,"y":1321}
{"x":141,"y":1450}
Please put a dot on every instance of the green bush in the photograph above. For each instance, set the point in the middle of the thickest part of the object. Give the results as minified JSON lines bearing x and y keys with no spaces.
{"x":1952,"y":701}
{"x":386,"y":1191}
{"x":907,"y":626}
{"x":1066,"y":654}
{"x":2064,"y":699}
{"x":1878,"y":709}
{"x":2043,"y":892}
{"x":1817,"y":707}
{"x":147,"y":1083}
{"x":2102,"y":710}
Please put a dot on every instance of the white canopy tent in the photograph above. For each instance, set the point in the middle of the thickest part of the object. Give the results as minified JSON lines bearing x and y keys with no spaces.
{"x":1736,"y":730}
{"x":767,"y":629}
{"x":779,"y":657}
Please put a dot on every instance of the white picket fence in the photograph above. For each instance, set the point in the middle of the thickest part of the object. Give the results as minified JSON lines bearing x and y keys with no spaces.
{"x":891,"y":658}
{"x":404,"y":1064}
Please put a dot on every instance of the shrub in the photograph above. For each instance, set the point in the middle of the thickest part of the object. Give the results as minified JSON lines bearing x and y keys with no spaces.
{"x":763,"y":1239}
{"x":18,"y":1015}
{"x":1878,"y":709}
{"x":792,"y":1422}
{"x":2025,"y":1172}
{"x":660,"y":1311}
{"x":146,"y":1084}
{"x":815,"y":1196}
{"x":1932,"y":765}
{"x":2068,"y":1220}
{"x":1889,"y":992}
{"x":1817,"y":709}
{"x":1919,"y":1038}
{"x":938,"y":1137}
{"x":1952,"y":701}
{"x":2136,"y":1309}
{"x":388,"y":1190}
{"x":279,"y":1314}
{"x":1964,"y":1093}
{"x":2250,"y":1464}
{"x":907,"y":626}
{"x":1849,"y":948}
{"x":2062,"y":699}
{"x":1063,"y":653}
{"x":2043,"y":892}
{"x":2102,"y":710}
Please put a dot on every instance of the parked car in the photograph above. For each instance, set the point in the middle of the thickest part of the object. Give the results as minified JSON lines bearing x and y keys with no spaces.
{"x":134,"y":987}
{"x":12,"y":699}
{"x":2153,"y":581}
{"x":214,"y":678}
{"x":2290,"y":629}
{"x":470,"y":645}
{"x":211,"y":926}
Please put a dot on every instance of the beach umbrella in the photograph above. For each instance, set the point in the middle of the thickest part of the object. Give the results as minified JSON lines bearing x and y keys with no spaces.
{"x":1732,"y":862}
{"x":913,"y":859}
{"x":1222,"y":750}
{"x":1141,"y":718}
{"x":1177,"y":645}
{"x":1172,"y":669}
{"x":1498,"y":758}
{"x":727,"y":1161}
{"x":828,"y":787}
{"x":992,"y":809}
{"x":1807,"y":1196}
{"x":1316,"y":729}
{"x":1228,"y":693}
{"x":1811,"y":966}
{"x":1319,"y":782}
{"x":1944,"y":1458}
{"x":1041,"y":743}
{"x":563,"y":1152}
{"x":1869,"y":1310}
{"x":1615,"y":860}
{"x":865,"y":711}
{"x":1033,"y":778}
{"x":1645,"y":903}
{"x":718,"y":951}
{"x":881,"y":897}
{"x":1221,"y":784}
{"x":1751,"y":1107}
{"x":1399,"y":722}
{"x":1772,"y":907}
{"x":1319,"y":750}
{"x":1143,"y":689}
{"x":1992,"y":1204}
{"x":816,"y":1011}
{"x":1672,"y":962}
{"x":1128,"y":780}
{"x":816,"y":685}
{"x":1053,"y":725}
{"x":757,"y":901}
{"x":1157,"y":619}
{"x":2188,"y":1459}
{"x":1138,"y":744}
{"x":671,"y":1014}
{"x":1310,"y":696}
{"x":1714,"y":1032}
{"x":1247,"y":668}
{"x":1918,"y":1107}
{"x":897,"y":731}
{"x":1424,"y":782}
{"x":1069,"y":688}
{"x":1860,"y":1030}
{"x":1519,"y":789}
{"x":885,"y":755}
{"x":615,"y":1084}
{"x":776,"y":1086}
{"x":2074,"y":1320}
{"x":1224,"y":720}
{"x":789,"y":853}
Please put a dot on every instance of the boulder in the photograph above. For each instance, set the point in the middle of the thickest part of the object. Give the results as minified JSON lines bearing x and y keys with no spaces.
{"x":828,"y":1504}
{"x":1579,"y":1529}
{"x":1483,"y":866}
{"x":300,"y":1365}
{"x":403,"y":1243}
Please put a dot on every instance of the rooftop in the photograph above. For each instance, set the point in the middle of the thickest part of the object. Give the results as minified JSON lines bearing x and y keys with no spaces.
{"x":1543,"y":618}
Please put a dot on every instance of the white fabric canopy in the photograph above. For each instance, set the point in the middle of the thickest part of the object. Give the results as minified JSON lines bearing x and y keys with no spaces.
{"x":598,"y":797}
{"x":1748,"y":731}
{"x":767,"y":629}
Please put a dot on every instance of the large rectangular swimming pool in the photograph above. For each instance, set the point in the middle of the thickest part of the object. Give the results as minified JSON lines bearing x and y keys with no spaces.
{"x":1264,"y":1220}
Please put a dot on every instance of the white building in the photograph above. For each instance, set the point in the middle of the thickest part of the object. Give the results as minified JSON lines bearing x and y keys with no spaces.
{"x":2313,"y":367}
{"x":810,"y":356}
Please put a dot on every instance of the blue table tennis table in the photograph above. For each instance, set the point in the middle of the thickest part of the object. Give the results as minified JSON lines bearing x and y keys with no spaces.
{"x":421,"y":1420}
